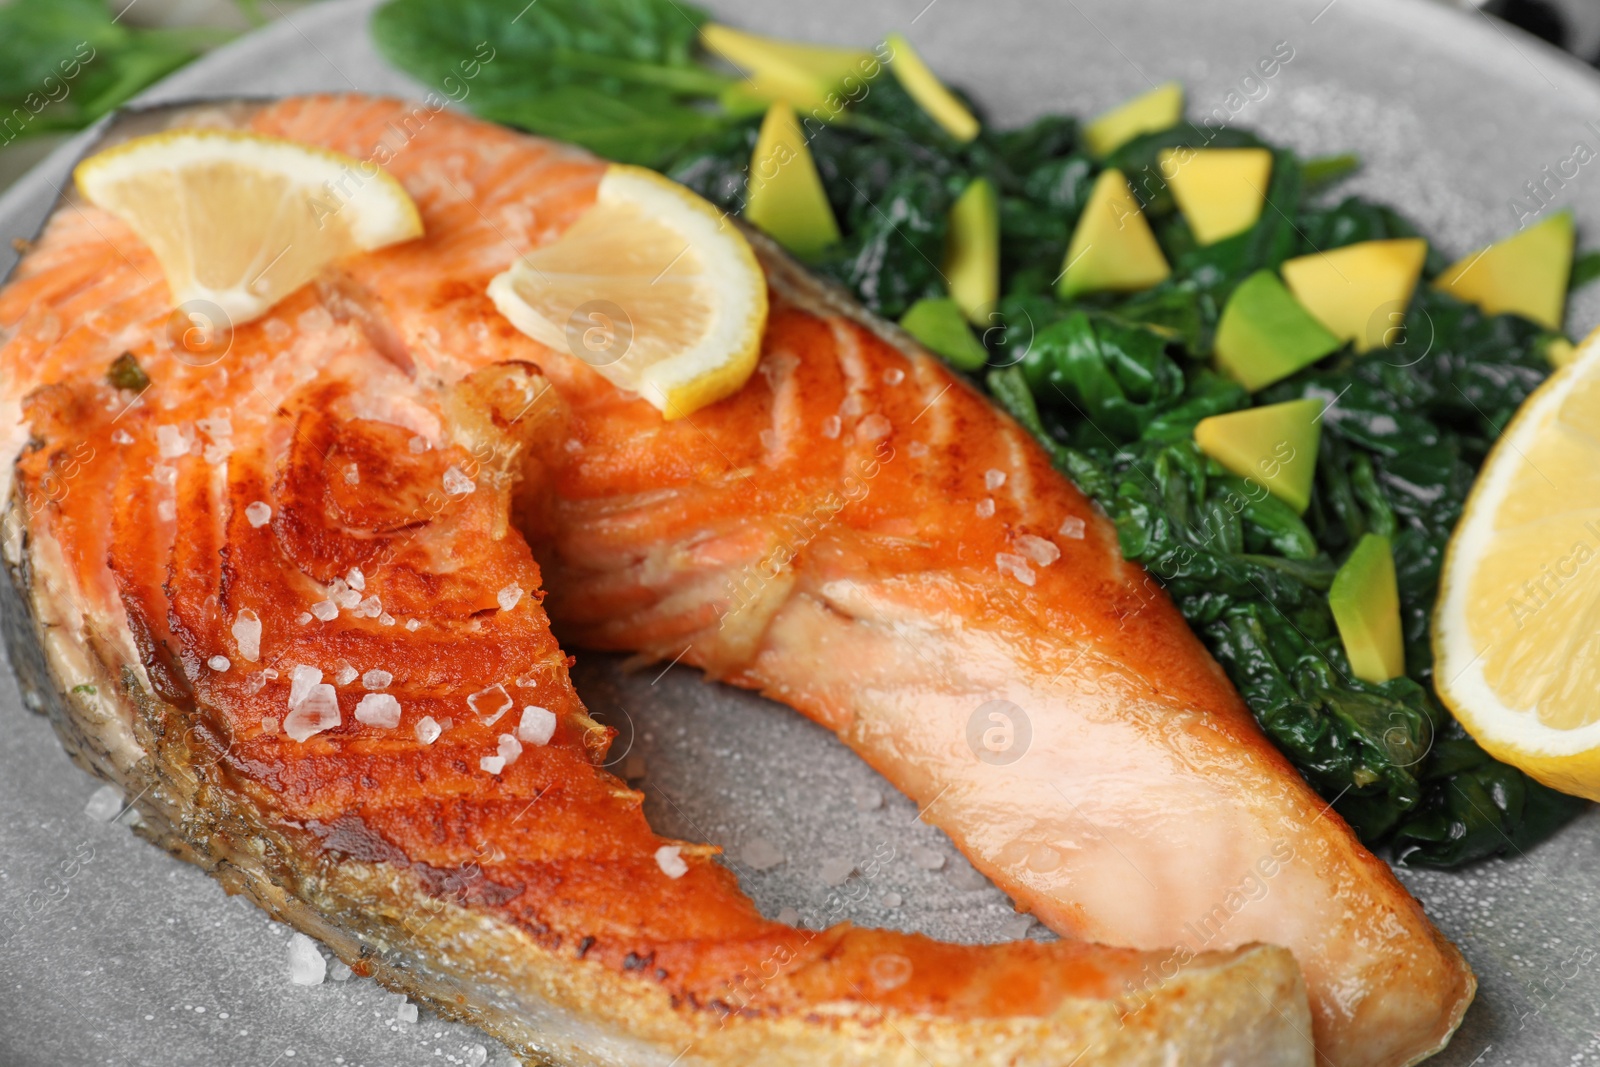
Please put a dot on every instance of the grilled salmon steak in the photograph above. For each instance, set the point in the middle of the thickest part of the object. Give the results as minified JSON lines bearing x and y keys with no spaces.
{"x":305,"y":579}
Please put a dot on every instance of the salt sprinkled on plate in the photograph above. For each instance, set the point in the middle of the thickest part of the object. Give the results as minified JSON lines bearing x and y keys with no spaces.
{"x":1038,"y":549}
{"x":538,"y":725}
{"x":489,"y":704}
{"x":670,"y":859}
{"x":219,"y":663}
{"x":339,"y":972}
{"x":1014,"y":565}
{"x":406,"y":1012}
{"x":247,"y":632}
{"x":377,"y":679}
{"x":458,"y":484}
{"x":306,"y":965}
{"x":259,"y":514}
{"x":380,"y":710}
{"x":509,"y":597}
{"x":1072,"y":527}
{"x":993,"y":479}
{"x":428,"y":730}
{"x":104,"y":804}
{"x":759,"y":854}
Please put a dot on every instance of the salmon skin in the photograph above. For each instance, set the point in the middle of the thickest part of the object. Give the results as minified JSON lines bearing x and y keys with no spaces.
{"x":356,"y":510}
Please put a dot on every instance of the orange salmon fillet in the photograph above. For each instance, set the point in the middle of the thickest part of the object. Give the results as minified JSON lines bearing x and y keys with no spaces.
{"x":856,"y":533}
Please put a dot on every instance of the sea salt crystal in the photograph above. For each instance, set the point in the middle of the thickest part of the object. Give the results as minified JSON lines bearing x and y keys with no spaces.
{"x":215,"y":454}
{"x":218,"y":428}
{"x":352,"y":474}
{"x":993,"y":479}
{"x":538,"y":725}
{"x":852,"y":406}
{"x":458,"y":484}
{"x":377,"y":679}
{"x":985,"y":508}
{"x":326,"y":610}
{"x":836,"y":871}
{"x":1014,"y":565}
{"x":893,"y":376}
{"x":104,"y":804}
{"x":269,"y":725}
{"x":174,"y":441}
{"x":339,"y":972}
{"x":319,"y":711}
{"x":316,"y":320}
{"x":258,"y":514}
{"x":1072,"y":527}
{"x":510,"y":748}
{"x":831,"y":427}
{"x":428,"y":730}
{"x":492,"y":764}
{"x":413,"y":625}
{"x":1038,"y":549}
{"x":418,"y":445}
{"x":872,"y":428}
{"x":164,"y":474}
{"x":306,"y":965}
{"x":219,"y":663}
{"x":344,"y":674}
{"x":509,"y":597}
{"x":386,"y":619}
{"x":406,"y":1012}
{"x":917,"y":449}
{"x":670,"y":859}
{"x":370,"y":608}
{"x":276,"y":330}
{"x":489,"y":704}
{"x":356,"y":580}
{"x":167,"y":510}
{"x":348,"y":598}
{"x":247,"y":632}
{"x":302,"y":679}
{"x":303,"y":618}
{"x":380,"y":710}
{"x":476,"y":1056}
{"x":121,"y":437}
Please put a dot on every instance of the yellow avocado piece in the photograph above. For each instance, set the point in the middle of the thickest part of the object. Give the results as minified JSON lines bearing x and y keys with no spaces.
{"x":1112,"y":247}
{"x":1365,"y":599}
{"x":972,"y":255}
{"x":803,"y":74}
{"x":786,"y":198}
{"x":1359,"y":292}
{"x":928,"y":91}
{"x":1526,"y":274}
{"x":1158,"y":109}
{"x":1275,"y":446}
{"x":1219,"y":190}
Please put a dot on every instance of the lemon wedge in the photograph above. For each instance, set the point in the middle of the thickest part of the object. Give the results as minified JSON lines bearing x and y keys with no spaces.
{"x":1516,"y":631}
{"x":653,"y":287}
{"x":240,"y":220}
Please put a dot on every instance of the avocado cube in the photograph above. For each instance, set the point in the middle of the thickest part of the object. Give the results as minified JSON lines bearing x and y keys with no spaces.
{"x":1265,"y":335}
{"x":1365,"y":599}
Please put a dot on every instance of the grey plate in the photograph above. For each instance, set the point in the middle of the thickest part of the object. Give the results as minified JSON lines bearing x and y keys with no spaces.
{"x":113,"y":953}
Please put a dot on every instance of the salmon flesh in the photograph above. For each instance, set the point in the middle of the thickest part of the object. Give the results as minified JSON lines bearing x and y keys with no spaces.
{"x":306,"y":578}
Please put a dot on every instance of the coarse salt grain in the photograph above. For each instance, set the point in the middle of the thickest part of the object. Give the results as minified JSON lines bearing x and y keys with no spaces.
{"x":458,"y":484}
{"x":510,"y":748}
{"x":509,"y":597}
{"x":670,"y":859}
{"x":413,"y":625}
{"x":1073,"y":527}
{"x":356,"y":580}
{"x":1038,"y":549}
{"x":167,"y":510}
{"x":993,"y":479}
{"x":218,"y":428}
{"x":174,"y":441}
{"x":164,"y":474}
{"x":538,"y":725}
{"x":428,"y":730}
{"x":215,"y":454}
{"x":219,"y":663}
{"x":104,"y":804}
{"x":319,"y":711}
{"x":489,"y":704}
{"x":417,"y":445}
{"x":306,"y":965}
{"x":247,"y":632}
{"x":258,"y":514}
{"x":344,"y":674}
{"x":380,"y":710}
{"x":986,"y":507}
{"x":893,"y":376}
{"x":873,"y":428}
{"x":326,"y":610}
{"x":121,"y":437}
{"x":1014,"y":565}
{"x":377,"y":679}
{"x":352,"y":474}
{"x":831,"y":426}
{"x":492,"y":764}
{"x":370,"y":608}
{"x":386,"y":619}
{"x":301,"y":680}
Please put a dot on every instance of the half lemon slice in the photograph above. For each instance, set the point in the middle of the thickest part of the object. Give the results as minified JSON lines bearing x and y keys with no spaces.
{"x":1516,"y":632}
{"x":241,"y":220}
{"x":653,"y":287}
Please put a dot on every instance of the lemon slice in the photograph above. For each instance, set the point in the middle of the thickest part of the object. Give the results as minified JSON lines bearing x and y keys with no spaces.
{"x":1516,"y":632}
{"x":240,"y":220}
{"x":653,"y":287}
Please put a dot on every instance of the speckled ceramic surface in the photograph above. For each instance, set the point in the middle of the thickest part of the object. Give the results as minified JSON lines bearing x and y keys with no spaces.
{"x":113,"y":953}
